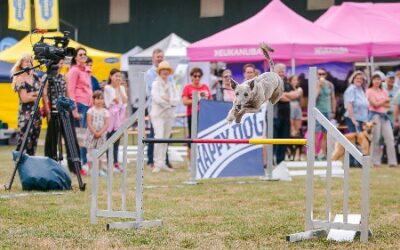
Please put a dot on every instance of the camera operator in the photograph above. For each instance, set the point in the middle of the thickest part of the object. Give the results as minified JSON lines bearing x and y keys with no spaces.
{"x":27,"y":86}
{"x":80,"y":90}
{"x":53,"y":90}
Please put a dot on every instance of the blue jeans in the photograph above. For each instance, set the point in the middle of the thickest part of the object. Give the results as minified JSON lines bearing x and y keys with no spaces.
{"x":352,"y":129}
{"x":82,"y":110}
{"x":281,"y":130}
{"x":318,"y":126}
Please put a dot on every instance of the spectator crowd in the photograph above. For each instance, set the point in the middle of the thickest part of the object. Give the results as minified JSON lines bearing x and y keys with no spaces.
{"x":100,"y":110}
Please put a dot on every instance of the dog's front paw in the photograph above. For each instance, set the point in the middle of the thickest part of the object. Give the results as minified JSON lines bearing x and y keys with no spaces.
{"x":230,"y":119}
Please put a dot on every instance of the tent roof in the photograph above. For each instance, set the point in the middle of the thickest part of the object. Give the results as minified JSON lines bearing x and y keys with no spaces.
{"x":125,"y":57}
{"x":291,"y":35}
{"x":172,"y":45}
{"x":374,"y":24}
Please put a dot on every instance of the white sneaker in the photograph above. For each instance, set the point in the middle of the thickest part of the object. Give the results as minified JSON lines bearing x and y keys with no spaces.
{"x":102,"y":173}
{"x":85,"y":167}
{"x":165,"y":168}
{"x":156,"y":170}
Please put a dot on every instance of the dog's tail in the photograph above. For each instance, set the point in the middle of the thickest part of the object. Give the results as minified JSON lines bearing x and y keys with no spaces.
{"x":265,"y":49}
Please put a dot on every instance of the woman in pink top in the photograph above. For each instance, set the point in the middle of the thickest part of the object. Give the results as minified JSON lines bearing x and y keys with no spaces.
{"x":379,"y":102}
{"x":80,"y":90}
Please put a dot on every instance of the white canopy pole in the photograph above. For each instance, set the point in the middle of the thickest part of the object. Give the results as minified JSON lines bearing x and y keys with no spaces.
{"x":293,"y":65}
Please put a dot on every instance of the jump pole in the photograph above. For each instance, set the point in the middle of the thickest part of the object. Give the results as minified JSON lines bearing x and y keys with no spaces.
{"x":254,"y":141}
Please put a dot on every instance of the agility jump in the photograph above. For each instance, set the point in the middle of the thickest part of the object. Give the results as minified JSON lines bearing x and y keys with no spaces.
{"x":254,"y":141}
{"x":314,"y":227}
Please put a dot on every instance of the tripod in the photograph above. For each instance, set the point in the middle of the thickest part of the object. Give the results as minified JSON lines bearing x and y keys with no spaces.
{"x":64,"y":107}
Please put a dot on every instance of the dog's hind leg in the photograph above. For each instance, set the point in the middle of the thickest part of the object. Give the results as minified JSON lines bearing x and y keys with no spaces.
{"x":276,"y":95}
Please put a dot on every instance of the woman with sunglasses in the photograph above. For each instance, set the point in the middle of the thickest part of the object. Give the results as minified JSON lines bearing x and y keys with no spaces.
{"x":326,"y":104}
{"x":80,"y":90}
{"x":187,"y":94}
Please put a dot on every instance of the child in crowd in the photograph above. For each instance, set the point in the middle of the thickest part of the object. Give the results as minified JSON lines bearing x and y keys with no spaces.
{"x":97,"y":121}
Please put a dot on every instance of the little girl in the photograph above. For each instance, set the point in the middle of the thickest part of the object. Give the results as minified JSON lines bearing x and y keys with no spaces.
{"x":97,"y":121}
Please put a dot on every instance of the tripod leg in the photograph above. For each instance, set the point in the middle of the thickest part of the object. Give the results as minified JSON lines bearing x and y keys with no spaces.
{"x":72,"y":146}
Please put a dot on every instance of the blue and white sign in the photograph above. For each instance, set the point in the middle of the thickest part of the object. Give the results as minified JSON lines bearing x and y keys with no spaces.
{"x":228,"y":160}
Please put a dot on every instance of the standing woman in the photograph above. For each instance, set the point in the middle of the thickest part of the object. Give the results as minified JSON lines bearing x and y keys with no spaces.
{"x":379,"y":103}
{"x":355,"y":102}
{"x":164,"y":99}
{"x":226,"y":93}
{"x":295,"y":109}
{"x":27,"y":86}
{"x":80,"y":90}
{"x":116,"y":100}
{"x":187,"y":94}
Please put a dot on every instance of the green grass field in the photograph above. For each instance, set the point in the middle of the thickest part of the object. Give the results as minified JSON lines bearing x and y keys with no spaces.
{"x":240,"y":213}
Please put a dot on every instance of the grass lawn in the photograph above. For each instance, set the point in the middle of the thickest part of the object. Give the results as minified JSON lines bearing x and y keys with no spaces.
{"x":241,"y":213}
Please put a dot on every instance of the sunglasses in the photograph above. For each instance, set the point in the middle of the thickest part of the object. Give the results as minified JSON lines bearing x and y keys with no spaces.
{"x":196,"y":76}
{"x":322,"y":74}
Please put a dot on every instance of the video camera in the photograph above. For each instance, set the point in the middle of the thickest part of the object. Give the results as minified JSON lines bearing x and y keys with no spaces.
{"x":46,"y":52}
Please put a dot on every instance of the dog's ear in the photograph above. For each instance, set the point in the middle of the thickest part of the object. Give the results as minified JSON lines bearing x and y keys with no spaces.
{"x":251,"y":84}
{"x":234,"y":83}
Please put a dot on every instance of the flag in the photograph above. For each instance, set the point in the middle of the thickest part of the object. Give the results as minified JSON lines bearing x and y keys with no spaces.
{"x":46,"y":14}
{"x":19,"y":15}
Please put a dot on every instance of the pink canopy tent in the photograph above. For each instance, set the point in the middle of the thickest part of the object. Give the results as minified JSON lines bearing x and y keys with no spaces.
{"x":289,"y":34}
{"x":378,"y":25}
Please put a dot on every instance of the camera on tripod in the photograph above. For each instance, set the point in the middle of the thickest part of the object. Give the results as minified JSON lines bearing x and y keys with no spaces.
{"x":54,"y":53}
{"x":50,"y":56}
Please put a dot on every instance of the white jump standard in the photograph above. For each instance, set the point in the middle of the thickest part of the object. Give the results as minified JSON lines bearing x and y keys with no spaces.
{"x":342,"y":228}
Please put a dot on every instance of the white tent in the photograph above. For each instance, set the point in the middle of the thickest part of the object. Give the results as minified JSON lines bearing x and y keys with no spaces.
{"x":125,"y":57}
{"x":174,"y":48}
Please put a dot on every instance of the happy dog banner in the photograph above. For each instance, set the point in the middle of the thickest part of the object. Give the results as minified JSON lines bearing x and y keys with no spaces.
{"x":228,"y":160}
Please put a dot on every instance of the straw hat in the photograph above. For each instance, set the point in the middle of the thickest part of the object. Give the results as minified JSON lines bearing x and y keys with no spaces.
{"x":164,"y":65}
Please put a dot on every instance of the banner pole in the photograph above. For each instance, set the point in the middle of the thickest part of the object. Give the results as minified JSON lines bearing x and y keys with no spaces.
{"x":193,"y":147}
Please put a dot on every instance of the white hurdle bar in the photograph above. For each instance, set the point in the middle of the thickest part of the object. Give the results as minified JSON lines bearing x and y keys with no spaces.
{"x":109,"y":212}
{"x":328,"y":226}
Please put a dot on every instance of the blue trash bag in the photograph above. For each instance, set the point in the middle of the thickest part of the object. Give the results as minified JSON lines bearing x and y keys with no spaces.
{"x":42,"y":173}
